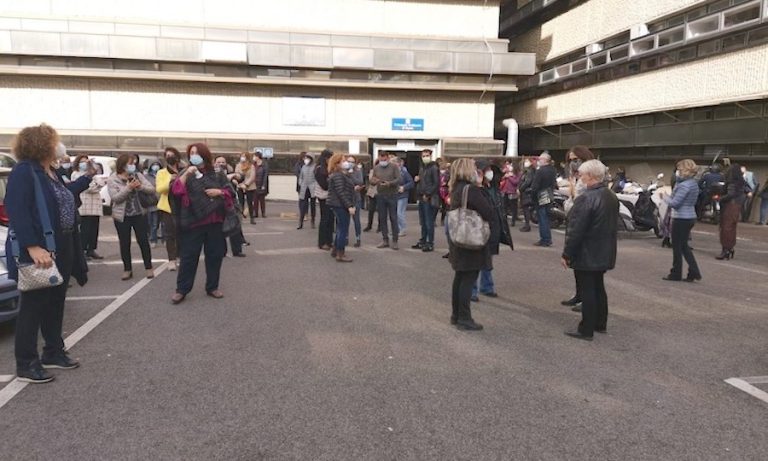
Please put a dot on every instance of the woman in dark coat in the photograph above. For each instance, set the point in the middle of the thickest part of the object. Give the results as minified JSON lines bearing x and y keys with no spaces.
{"x":731,"y":204}
{"x":42,"y":310}
{"x":500,"y":233}
{"x":466,"y":263}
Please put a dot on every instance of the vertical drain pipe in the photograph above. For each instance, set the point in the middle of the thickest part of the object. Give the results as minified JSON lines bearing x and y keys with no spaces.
{"x":512,"y":136}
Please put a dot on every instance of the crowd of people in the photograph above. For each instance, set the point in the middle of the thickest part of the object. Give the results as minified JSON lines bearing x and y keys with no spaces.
{"x":195,"y":202}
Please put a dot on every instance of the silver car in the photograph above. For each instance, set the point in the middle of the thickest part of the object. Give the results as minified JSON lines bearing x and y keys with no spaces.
{"x":9,"y":295}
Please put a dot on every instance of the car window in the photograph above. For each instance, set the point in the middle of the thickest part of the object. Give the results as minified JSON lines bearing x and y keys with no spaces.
{"x":7,"y":161}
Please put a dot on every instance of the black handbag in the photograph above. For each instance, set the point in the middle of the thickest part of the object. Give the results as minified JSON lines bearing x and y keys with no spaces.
{"x":232,"y":224}
{"x":148,"y":199}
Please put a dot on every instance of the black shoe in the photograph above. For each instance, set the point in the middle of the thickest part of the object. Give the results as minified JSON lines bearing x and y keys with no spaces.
{"x":418,"y":246}
{"x":672,"y":278}
{"x":576,"y":308}
{"x":367,"y":229}
{"x":427,"y":248}
{"x":300,"y":226}
{"x":61,"y":361}
{"x":446,"y":256}
{"x":525,"y":228}
{"x":601,"y":330}
{"x":468,"y":325}
{"x":357,"y":244}
{"x":666,"y":243}
{"x":692,"y":278}
{"x":571,"y":302}
{"x":94,"y":255}
{"x":578,"y":335}
{"x":384,"y":244}
{"x":491,"y":295}
{"x":474,"y":299}
{"x":542,"y":244}
{"x":34,"y":373}
{"x":239,"y":255}
{"x":453,"y":320}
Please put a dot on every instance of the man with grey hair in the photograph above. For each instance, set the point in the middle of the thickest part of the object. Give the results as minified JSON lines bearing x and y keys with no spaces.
{"x":543,"y":187}
{"x":590,"y":247}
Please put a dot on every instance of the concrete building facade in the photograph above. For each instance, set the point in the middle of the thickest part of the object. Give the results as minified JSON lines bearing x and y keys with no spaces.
{"x":642,"y":81}
{"x":352,"y":75}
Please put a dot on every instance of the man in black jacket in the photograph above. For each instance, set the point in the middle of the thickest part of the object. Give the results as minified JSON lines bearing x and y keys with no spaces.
{"x":542,"y":188}
{"x":590,"y":247}
{"x":427,"y":188}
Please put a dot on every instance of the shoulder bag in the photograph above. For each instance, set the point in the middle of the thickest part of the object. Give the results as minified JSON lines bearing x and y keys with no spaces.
{"x":31,"y":277}
{"x":466,"y":228}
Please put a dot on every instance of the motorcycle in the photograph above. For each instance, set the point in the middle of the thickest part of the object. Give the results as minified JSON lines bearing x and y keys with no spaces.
{"x":710,"y":209}
{"x":639,"y":207}
{"x":557,"y":215}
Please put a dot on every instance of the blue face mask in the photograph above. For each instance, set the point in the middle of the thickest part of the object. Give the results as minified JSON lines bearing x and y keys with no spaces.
{"x":131,"y":169}
{"x":83,"y":166}
{"x":155,"y":168}
{"x":196,"y":159}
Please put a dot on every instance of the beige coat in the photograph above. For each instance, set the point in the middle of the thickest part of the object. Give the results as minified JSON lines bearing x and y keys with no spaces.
{"x":120,"y":192}
{"x":91,"y":197}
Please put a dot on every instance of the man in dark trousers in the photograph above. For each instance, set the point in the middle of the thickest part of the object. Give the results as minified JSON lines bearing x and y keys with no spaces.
{"x":427,"y":189}
{"x":590,"y":247}
{"x":386,"y":178}
{"x":542,"y":188}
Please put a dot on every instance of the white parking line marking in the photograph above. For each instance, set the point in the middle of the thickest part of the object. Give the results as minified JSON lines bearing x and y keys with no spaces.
{"x":742,"y":384}
{"x":16,"y":386}
{"x":115,"y":263}
{"x":91,"y":298}
{"x":6,"y":378}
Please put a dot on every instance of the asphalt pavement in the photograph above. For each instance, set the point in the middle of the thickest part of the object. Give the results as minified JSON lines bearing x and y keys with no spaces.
{"x":306,"y":358}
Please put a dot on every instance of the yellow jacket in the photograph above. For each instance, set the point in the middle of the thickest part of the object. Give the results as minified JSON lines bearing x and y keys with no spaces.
{"x":163,"y":187}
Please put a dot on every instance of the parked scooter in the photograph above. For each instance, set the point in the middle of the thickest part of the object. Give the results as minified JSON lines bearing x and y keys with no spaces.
{"x":639,"y":207}
{"x":557,"y":215}
{"x":710,"y":210}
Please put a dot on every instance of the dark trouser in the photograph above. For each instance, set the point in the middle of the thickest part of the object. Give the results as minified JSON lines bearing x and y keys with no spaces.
{"x":746,"y":209}
{"x":545,"y":234}
{"x":139,"y":226}
{"x":427,"y":216}
{"x":388,"y":209}
{"x":342,"y":227}
{"x":356,"y":219}
{"x":763,"y":210}
{"x":153,"y":227}
{"x":89,"y":232}
{"x":236,"y":241}
{"x":527,"y":209}
{"x":681,"y":232}
{"x":462,"y":294}
{"x":169,"y":234}
{"x":307,"y":203}
{"x":594,"y":301}
{"x":372,"y":208}
{"x":250,"y":195}
{"x":259,"y":201}
{"x":443,"y":211}
{"x":511,"y":207}
{"x":210,"y":239}
{"x":325,"y":231}
{"x":43,"y":310}
{"x":729,"y":220}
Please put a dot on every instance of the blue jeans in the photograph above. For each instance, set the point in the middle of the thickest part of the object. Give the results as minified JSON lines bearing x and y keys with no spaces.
{"x":763,"y":210}
{"x":402,"y":204}
{"x":545,"y":234}
{"x":427,"y":216}
{"x":486,"y":283}
{"x":356,"y":220}
{"x":153,"y":226}
{"x":342,"y":227}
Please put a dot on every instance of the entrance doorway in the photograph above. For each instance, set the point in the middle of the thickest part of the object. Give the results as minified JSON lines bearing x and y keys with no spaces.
{"x":408,"y":150}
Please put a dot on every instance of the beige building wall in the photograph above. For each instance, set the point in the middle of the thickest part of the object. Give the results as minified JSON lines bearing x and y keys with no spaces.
{"x":592,"y":22}
{"x":735,"y":76}
{"x":442,"y":18}
{"x":115,"y":106}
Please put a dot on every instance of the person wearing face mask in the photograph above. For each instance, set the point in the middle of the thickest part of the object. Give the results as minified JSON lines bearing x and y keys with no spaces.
{"x":202,"y":199}
{"x":526,"y":200}
{"x":351,"y":168}
{"x":91,"y":209}
{"x":247,"y":174}
{"x":386,"y":178}
{"x":445,"y":176}
{"x":576,"y":156}
{"x":128,"y":213}
{"x":341,"y":200}
{"x":428,"y":191}
{"x":499,"y":230}
{"x":153,"y":216}
{"x":236,"y":239}
{"x":683,"y":205}
{"x":403,"y":192}
{"x":166,"y":217}
{"x":542,"y":187}
{"x":307,"y":199}
{"x":261,"y":174}
{"x":509,"y":190}
{"x":64,"y":168}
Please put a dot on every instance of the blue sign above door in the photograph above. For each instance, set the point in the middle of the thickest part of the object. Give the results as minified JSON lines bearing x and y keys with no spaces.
{"x":407,"y":124}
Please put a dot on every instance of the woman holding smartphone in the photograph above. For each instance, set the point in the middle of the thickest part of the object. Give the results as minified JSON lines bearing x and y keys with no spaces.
{"x":124,"y":187}
{"x":91,"y":209}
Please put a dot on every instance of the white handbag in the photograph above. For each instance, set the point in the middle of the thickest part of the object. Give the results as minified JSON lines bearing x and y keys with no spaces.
{"x":466,"y":228}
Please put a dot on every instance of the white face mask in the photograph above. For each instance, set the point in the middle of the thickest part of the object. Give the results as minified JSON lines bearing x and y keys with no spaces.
{"x":527,"y":164}
{"x":489,"y":175}
{"x":426,"y":160}
{"x":66,"y":166}
{"x":384,"y":162}
{"x":345,"y":165}
{"x":307,"y":161}
{"x":243,"y":159}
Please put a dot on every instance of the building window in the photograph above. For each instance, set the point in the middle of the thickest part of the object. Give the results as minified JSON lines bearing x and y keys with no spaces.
{"x":735,"y":42}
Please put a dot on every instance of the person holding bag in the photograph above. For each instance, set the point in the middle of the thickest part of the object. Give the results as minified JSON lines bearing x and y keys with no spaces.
{"x":41,"y":251}
{"x":203,"y":199}
{"x":468,"y":233}
{"x":132,"y":194}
